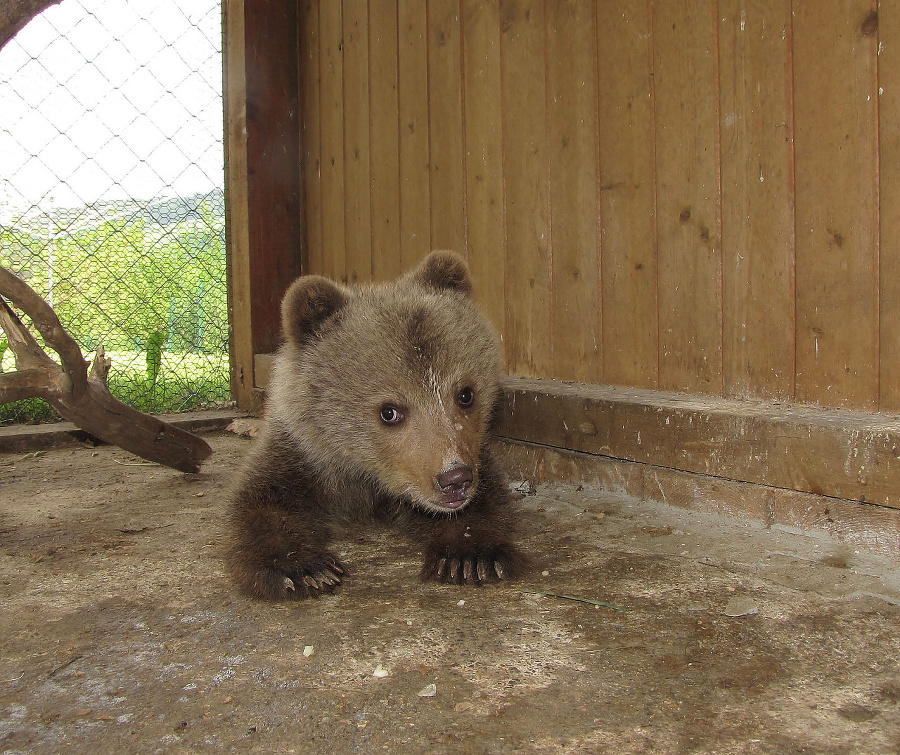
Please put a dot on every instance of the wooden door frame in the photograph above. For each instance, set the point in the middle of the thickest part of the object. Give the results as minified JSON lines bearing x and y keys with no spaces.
{"x":263,"y":182}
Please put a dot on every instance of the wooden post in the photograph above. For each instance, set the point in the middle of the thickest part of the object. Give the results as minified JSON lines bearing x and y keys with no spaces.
{"x":262,"y":176}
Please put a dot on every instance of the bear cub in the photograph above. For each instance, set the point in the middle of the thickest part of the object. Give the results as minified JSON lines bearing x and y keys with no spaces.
{"x":379,"y":408}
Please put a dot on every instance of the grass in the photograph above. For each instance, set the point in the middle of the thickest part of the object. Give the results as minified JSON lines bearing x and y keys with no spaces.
{"x":184,"y":382}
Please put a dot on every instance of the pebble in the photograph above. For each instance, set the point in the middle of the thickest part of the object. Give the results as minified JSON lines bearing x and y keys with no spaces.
{"x":380,"y":672}
{"x":741,"y":605}
{"x":429,"y":691}
{"x":308,"y":651}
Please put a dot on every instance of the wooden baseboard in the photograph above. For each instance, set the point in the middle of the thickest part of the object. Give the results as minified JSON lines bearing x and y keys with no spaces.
{"x":833,"y":453}
{"x":867,"y":527}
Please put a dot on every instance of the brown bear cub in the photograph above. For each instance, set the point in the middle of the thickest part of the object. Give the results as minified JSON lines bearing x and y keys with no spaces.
{"x":379,"y":407}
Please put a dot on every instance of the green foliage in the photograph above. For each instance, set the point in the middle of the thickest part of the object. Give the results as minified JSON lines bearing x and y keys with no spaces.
{"x":136,"y":283}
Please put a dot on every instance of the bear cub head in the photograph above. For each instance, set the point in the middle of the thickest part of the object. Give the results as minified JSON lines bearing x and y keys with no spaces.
{"x":390,"y":383}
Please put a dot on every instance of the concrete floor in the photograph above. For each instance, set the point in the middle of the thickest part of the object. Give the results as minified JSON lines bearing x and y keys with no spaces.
{"x":119,"y":634}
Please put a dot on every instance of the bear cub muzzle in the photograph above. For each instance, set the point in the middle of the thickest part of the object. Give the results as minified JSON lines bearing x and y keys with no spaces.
{"x":379,"y":409}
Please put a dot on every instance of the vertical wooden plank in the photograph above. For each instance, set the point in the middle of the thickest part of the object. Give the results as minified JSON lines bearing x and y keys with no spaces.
{"x":757,"y":198}
{"x":627,"y":146}
{"x":835,"y":110}
{"x":357,"y":192}
{"x":889,"y":172}
{"x":574,"y":210}
{"x":525,"y":168}
{"x":332,"y":140}
{"x":385,"y":140}
{"x":687,"y":127}
{"x":484,"y":155}
{"x":264,"y":197}
{"x":310,"y":137}
{"x":448,"y":225}
{"x":415,"y":194}
{"x":237,"y":223}
{"x":273,"y":159}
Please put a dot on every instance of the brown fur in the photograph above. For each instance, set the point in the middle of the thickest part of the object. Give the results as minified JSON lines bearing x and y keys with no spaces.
{"x":417,"y":349}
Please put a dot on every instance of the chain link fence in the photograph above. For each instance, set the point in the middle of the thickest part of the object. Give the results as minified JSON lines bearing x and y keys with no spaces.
{"x":111,"y":192}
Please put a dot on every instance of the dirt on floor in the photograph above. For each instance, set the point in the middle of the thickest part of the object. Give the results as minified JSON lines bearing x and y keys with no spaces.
{"x":641,"y":629}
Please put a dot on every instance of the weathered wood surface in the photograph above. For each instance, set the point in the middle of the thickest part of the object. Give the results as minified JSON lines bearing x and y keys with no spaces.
{"x":576,"y":327}
{"x":689,"y":247}
{"x":357,"y":154}
{"x":851,"y":523}
{"x":415,"y":149}
{"x":385,"y":125}
{"x":828,"y":452}
{"x":484,"y":156}
{"x":446,"y":159}
{"x":757,"y":197}
{"x":889,"y":212}
{"x":528,"y":275}
{"x":836,"y":170}
{"x":627,"y":210}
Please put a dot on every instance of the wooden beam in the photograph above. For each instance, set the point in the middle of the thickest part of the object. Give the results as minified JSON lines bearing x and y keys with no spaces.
{"x":263,"y":189}
{"x":853,"y":524}
{"x":829,"y":452}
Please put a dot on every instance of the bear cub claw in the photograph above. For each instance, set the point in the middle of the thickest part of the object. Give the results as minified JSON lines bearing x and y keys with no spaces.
{"x":473,"y":568}
{"x":300,"y":581}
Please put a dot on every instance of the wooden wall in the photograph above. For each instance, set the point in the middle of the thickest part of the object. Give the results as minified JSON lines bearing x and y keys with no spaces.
{"x":690,"y":195}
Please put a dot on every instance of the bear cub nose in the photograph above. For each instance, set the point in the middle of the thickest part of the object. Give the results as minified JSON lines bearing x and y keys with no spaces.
{"x":454,"y":482}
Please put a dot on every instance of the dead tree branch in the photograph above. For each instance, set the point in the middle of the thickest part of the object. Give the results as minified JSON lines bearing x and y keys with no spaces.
{"x":80,"y":397}
{"x":14,"y":14}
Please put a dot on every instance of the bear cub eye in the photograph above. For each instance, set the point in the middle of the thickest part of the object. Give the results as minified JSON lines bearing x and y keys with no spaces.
{"x":465,"y":398}
{"x":391,"y":415}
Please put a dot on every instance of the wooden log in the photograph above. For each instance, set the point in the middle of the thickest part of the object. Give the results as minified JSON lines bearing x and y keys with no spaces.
{"x":80,"y":397}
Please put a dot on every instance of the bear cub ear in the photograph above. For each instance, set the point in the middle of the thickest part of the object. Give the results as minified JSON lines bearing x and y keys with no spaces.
{"x":442,"y":271}
{"x":308,"y":303}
